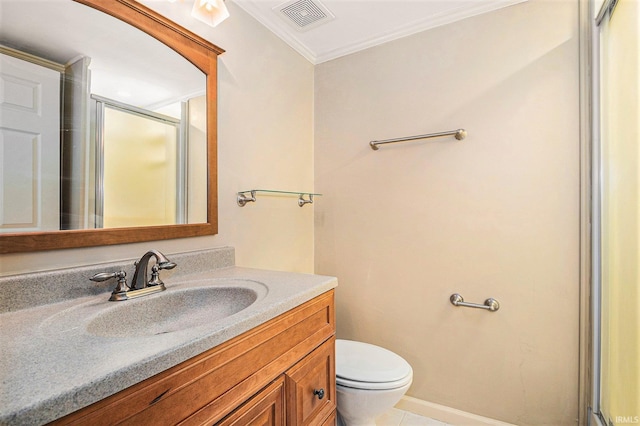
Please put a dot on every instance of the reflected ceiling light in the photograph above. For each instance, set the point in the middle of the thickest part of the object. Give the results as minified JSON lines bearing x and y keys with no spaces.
{"x":211,"y":12}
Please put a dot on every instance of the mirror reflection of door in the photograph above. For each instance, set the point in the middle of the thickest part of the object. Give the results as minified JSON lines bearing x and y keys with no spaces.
{"x":141,"y":163}
{"x":29,"y":146}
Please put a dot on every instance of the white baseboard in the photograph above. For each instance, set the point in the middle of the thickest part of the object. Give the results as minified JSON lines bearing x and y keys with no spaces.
{"x":445,"y":414}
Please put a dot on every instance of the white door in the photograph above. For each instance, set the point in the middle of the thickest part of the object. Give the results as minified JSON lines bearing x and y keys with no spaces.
{"x":29,"y":146}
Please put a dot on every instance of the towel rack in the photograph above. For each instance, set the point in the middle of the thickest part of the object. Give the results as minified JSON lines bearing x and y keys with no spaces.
{"x":243,"y":198}
{"x":459,"y":134}
{"x":490,"y":304}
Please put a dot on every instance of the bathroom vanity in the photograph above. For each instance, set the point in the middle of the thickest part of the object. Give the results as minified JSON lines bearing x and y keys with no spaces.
{"x":222,"y":344}
{"x":286,"y":362}
{"x":271,"y":362}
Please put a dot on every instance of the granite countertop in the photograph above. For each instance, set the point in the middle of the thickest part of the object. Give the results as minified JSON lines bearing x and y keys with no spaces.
{"x":51,"y":365}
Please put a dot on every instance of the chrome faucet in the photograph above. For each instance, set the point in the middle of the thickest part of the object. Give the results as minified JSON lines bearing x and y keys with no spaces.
{"x":141,"y":285}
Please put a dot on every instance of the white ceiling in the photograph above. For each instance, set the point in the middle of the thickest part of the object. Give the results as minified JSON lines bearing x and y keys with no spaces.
{"x":82,"y":31}
{"x":359,"y":24}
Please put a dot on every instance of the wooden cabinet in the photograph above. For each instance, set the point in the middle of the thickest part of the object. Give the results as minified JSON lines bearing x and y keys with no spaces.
{"x":264,"y":409}
{"x":310,"y":386}
{"x":308,"y":389}
{"x":279,"y":373}
{"x":331,"y":420}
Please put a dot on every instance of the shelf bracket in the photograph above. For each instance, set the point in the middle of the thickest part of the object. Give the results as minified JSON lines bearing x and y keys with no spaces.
{"x":243,"y":199}
{"x":302,"y":201}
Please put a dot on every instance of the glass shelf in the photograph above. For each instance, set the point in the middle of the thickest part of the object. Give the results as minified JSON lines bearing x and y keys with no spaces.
{"x":273,"y":191}
{"x":243,"y":198}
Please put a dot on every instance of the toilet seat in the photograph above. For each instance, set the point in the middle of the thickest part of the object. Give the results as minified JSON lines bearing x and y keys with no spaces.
{"x":364,"y":366}
{"x":353,"y":384}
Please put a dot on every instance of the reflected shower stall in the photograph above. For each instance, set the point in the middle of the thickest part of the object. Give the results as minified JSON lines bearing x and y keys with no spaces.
{"x":140,"y":172}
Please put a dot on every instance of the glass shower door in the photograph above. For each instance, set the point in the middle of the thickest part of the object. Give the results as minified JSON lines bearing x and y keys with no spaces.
{"x":140,"y":167}
{"x":619,"y":396}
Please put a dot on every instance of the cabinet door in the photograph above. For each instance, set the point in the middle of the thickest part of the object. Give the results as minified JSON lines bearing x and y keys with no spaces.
{"x":311,"y":387}
{"x":266,"y":408}
{"x":331,"y":420}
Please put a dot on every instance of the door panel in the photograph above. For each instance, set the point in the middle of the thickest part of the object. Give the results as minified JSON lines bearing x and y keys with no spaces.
{"x":29,"y":134}
{"x":620,"y":280}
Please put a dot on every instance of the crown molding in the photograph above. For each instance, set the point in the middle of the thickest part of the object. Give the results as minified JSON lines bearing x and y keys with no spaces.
{"x":451,"y":16}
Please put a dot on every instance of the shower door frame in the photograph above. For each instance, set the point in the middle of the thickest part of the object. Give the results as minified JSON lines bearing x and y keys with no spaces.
{"x":593,"y":366}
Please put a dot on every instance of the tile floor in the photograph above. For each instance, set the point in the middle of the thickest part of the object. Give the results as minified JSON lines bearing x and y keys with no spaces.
{"x":396,"y":417}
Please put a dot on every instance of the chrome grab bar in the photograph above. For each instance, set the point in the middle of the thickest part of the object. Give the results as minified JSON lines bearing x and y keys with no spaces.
{"x":459,"y":134}
{"x":490,"y":304}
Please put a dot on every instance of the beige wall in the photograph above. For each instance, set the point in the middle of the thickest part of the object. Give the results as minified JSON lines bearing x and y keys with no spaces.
{"x":495,"y":215}
{"x":265,"y":137}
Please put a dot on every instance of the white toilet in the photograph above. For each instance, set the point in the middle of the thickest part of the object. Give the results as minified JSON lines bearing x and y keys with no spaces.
{"x":370,"y":380}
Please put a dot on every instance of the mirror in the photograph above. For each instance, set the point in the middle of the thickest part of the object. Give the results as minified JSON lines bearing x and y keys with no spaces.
{"x":163,"y":93}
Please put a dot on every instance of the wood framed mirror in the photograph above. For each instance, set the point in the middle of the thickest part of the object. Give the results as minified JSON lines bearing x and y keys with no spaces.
{"x":203,"y":55}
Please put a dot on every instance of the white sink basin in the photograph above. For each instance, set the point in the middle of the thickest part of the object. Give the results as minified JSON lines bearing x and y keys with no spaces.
{"x":183,"y":307}
{"x":171,"y":311}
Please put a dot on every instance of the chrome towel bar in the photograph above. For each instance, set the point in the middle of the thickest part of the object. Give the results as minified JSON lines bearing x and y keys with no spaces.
{"x":459,"y":134}
{"x":490,"y":304}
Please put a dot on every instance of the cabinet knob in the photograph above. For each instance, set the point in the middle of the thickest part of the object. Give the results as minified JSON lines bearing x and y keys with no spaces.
{"x":319,"y":393}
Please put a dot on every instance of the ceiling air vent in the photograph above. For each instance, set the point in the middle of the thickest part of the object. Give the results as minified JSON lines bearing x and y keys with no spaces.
{"x":304,"y":15}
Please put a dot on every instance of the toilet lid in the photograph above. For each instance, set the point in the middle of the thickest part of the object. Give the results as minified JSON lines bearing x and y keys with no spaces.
{"x":366,"y":363}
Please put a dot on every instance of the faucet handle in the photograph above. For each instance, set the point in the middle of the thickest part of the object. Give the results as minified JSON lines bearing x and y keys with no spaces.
{"x":166,"y":265}
{"x":155,"y":272}
{"x":104,"y":276}
{"x":155,"y":276}
{"x":121,"y":276}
